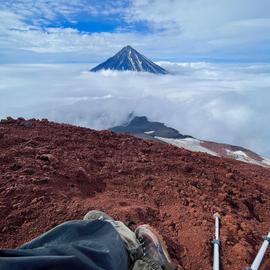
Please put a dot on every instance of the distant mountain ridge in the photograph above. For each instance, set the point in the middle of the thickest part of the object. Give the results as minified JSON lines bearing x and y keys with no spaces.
{"x":143,"y":128}
{"x":129,"y":59}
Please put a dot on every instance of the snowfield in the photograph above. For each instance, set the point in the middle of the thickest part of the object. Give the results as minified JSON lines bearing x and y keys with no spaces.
{"x":189,"y":144}
{"x":195,"y":145}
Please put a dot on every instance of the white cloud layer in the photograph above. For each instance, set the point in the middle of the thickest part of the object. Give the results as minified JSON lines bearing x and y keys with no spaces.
{"x":225,"y":103}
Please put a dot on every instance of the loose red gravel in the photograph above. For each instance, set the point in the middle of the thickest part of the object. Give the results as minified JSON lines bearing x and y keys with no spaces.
{"x":51,"y":173}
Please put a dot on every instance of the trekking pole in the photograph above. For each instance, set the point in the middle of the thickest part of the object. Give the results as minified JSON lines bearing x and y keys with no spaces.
{"x":257,"y":262}
{"x":216,"y":242}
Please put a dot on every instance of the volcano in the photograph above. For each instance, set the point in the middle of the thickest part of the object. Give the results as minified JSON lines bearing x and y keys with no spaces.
{"x":129,"y":59}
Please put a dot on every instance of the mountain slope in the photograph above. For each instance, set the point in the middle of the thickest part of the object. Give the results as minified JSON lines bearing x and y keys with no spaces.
{"x":129,"y":59}
{"x":51,"y":173}
{"x":141,"y":127}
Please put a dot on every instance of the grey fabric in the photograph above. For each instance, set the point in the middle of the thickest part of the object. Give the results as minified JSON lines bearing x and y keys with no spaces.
{"x":81,"y":244}
{"x":84,"y":245}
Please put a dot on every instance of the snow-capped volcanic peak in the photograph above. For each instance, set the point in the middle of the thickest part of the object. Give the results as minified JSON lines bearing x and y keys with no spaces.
{"x":129,"y":59}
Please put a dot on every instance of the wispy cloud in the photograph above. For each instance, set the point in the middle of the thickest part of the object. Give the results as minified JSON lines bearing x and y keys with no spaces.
{"x":224,"y":30}
{"x":40,"y":12}
{"x":226,"y":103}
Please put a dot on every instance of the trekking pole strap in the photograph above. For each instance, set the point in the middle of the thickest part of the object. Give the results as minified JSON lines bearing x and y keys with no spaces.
{"x":216,"y":241}
{"x":266,"y":238}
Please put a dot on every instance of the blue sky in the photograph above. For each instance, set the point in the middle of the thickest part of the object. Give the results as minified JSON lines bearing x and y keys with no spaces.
{"x":174,"y":30}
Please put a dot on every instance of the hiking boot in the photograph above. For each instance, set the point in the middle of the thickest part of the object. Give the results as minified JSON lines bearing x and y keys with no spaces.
{"x":153,"y":246}
{"x":128,"y":236}
{"x":96,"y":214}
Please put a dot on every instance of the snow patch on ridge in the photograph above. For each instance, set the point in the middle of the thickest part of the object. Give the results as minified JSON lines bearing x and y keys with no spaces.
{"x":242,"y":156}
{"x":189,"y":144}
{"x":131,"y":60}
{"x":195,"y":145}
{"x":266,"y":161}
{"x":239,"y":155}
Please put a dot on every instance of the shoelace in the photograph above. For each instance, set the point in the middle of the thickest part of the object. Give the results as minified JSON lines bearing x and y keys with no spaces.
{"x":153,"y":264}
{"x":142,"y":245}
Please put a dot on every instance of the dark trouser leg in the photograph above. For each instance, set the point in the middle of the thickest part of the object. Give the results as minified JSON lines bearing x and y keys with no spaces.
{"x":84,"y":245}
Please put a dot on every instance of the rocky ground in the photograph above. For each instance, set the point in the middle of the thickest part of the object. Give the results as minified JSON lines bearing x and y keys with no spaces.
{"x":50,"y":173}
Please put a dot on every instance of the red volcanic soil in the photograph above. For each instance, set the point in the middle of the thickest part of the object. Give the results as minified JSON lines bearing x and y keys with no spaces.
{"x":51,"y":173}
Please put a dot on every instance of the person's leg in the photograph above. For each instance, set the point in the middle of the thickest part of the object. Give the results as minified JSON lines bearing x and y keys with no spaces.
{"x":147,"y":249}
{"x":84,"y":245}
{"x":129,"y":237}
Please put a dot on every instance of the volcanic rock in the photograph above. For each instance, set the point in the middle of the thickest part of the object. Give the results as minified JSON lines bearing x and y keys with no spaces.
{"x":172,"y":189}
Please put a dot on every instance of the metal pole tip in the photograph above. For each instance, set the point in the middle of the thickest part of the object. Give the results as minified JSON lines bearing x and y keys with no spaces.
{"x":216,"y":215}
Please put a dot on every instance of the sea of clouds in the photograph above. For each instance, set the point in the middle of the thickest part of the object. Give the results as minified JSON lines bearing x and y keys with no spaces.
{"x":221,"y":102}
